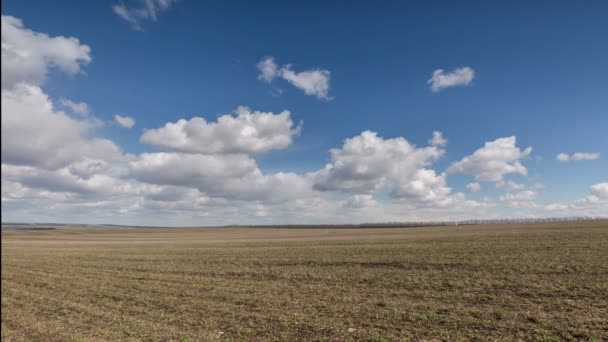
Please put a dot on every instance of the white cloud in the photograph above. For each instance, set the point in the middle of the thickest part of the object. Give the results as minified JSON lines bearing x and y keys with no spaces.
{"x":77,"y":107}
{"x":64,"y":180}
{"x":247,"y":132}
{"x":596,"y":204}
{"x":124,"y":13}
{"x":473,"y":187}
{"x":600,"y":190}
{"x":34,"y":133}
{"x":27,"y":56}
{"x":522,"y":199}
{"x":360,"y":201}
{"x":227,"y":176}
{"x":558,"y":207}
{"x":493,"y":161}
{"x":146,"y":10}
{"x":585,"y":156}
{"x":511,"y":185}
{"x":124,"y":121}
{"x":83,"y":112}
{"x":457,"y":77}
{"x":86,"y":167}
{"x":368,"y":164}
{"x":365,"y":163}
{"x":171,"y":199}
{"x":593,"y":205}
{"x":538,"y":186}
{"x":195,"y":170}
{"x":48,"y":157}
{"x":55,"y":168}
{"x":564,"y":157}
{"x":268,"y":68}
{"x":425,"y":186}
{"x":53,"y":139}
{"x":313,"y":82}
{"x":438,"y":139}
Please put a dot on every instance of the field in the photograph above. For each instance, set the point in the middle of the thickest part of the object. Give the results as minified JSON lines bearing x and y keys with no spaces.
{"x":532,"y":282}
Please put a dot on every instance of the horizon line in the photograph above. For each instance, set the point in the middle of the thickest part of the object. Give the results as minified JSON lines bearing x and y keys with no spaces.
{"x":394,"y":224}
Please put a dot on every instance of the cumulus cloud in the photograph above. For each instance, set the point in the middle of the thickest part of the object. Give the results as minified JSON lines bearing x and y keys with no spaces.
{"x":64,"y":180}
{"x":522,"y":199}
{"x":246,"y":132}
{"x":368,"y":164}
{"x":457,"y":77}
{"x":50,"y":159}
{"x":167,"y":193}
{"x":124,"y":121}
{"x":511,"y":185}
{"x":438,"y":140}
{"x":180,"y":169}
{"x":593,"y":205}
{"x":268,"y":69}
{"x":425,"y":186}
{"x":564,"y":157}
{"x":596,"y":204}
{"x":80,"y":108}
{"x":56,"y":168}
{"x":143,"y":10}
{"x":34,"y":132}
{"x":360,"y":201}
{"x":473,"y":187}
{"x":83,"y":112}
{"x":493,"y":161}
{"x":557,"y":207}
{"x":27,"y":56}
{"x":228,"y":176}
{"x":86,"y":167}
{"x":365,"y":163}
{"x":585,"y":156}
{"x":600,"y":190}
{"x":538,"y":186}
{"x":53,"y":139}
{"x":313,"y":82}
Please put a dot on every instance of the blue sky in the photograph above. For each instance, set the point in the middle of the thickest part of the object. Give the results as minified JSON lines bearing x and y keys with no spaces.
{"x":539,"y":75}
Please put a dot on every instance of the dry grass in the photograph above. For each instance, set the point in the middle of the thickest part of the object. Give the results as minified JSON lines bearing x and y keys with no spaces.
{"x":537,"y":282}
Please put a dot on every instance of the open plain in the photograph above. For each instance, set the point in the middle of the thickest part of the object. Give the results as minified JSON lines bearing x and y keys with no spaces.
{"x":531,"y":282}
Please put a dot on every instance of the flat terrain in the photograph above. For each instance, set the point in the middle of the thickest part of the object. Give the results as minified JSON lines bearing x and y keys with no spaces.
{"x":533,"y":282}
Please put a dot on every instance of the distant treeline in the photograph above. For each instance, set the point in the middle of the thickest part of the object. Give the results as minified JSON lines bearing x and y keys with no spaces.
{"x":27,"y":228}
{"x":45,"y":226}
{"x":426,"y":223}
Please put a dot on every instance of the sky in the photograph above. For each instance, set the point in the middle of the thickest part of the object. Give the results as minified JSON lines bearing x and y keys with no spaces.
{"x":183,"y":113}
